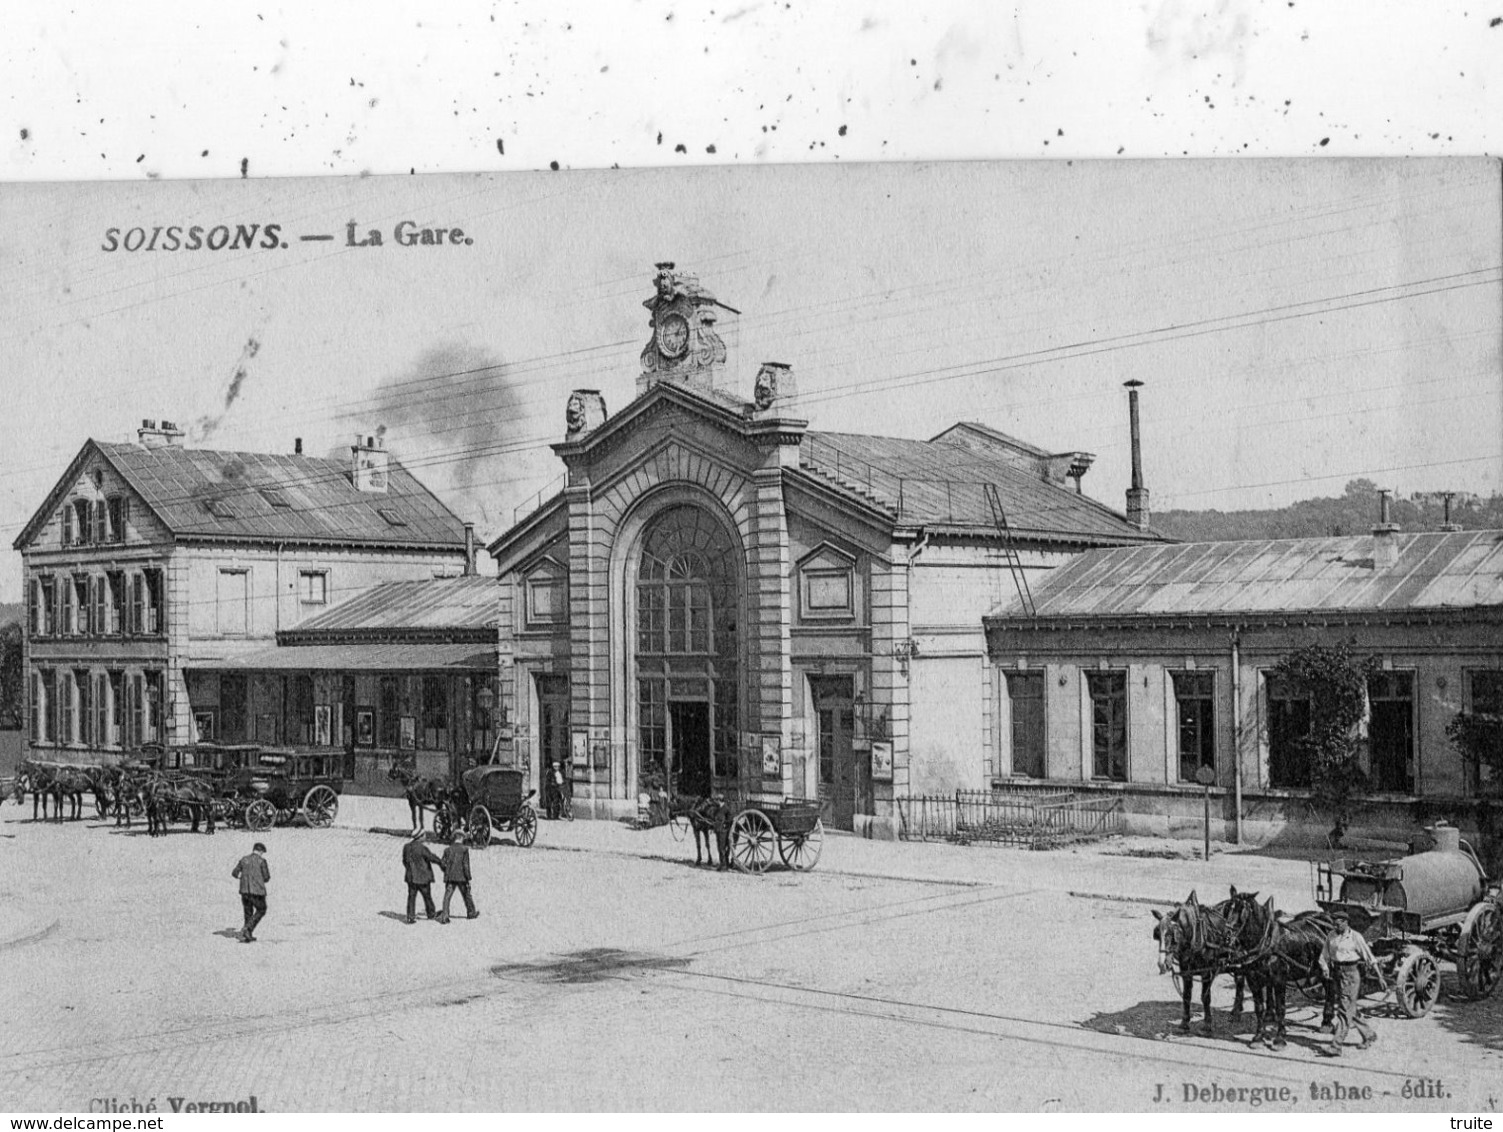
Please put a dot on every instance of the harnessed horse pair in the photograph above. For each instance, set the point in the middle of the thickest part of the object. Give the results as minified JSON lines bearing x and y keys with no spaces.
{"x":44,"y":781}
{"x":1255,"y":945}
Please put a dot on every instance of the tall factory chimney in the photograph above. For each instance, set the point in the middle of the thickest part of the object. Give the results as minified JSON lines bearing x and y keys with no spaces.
{"x":1137,"y":494}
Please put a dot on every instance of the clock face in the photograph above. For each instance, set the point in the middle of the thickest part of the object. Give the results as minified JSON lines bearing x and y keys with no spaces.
{"x":673,"y":335}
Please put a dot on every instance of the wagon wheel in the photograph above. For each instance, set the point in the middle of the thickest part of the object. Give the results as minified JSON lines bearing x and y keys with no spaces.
{"x":320,"y":805}
{"x":753,"y":842}
{"x":446,"y":825}
{"x":477,"y":830}
{"x":800,"y":851}
{"x":1417,"y":984}
{"x":525,"y":825}
{"x":1479,"y":951}
{"x":260,"y":815}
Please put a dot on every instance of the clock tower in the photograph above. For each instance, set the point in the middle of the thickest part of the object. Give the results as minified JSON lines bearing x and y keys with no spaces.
{"x":684,"y":346}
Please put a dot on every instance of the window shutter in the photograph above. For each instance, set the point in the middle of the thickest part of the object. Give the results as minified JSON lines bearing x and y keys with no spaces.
{"x":101,"y":519}
{"x":34,"y":621}
{"x":69,"y":538}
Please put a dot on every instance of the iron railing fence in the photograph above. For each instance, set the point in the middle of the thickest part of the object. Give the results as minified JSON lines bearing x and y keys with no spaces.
{"x":1034,"y":815}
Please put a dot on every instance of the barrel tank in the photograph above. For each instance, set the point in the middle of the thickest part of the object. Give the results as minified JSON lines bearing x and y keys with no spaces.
{"x":1440,"y":882}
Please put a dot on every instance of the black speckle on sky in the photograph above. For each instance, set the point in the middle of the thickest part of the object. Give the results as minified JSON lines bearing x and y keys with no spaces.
{"x":1325,"y":141}
{"x":1058,"y":132}
{"x":501,"y":147}
{"x":245,"y":166}
{"x":842,"y":131}
{"x":553,"y":165}
{"x":1495,"y":21}
{"x":205,"y":153}
{"x":660,"y":137}
{"x":709,"y":149}
{"x":25,"y":133}
{"x":681,"y":148}
{"x":141,"y":159}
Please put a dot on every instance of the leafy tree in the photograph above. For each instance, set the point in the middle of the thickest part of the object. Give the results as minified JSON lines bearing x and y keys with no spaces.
{"x":1479,"y":737}
{"x":1334,"y":680}
{"x":11,"y":687}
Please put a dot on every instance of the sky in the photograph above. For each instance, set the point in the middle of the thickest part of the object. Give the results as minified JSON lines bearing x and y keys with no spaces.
{"x":1295,"y":324}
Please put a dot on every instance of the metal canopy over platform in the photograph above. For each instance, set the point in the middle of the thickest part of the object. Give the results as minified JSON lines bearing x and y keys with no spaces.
{"x":373,"y":657}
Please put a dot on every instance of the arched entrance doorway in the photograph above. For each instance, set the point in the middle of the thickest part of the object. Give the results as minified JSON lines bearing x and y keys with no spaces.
{"x":687,"y":604}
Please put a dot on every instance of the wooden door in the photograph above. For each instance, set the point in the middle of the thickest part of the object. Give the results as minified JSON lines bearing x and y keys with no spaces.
{"x":839,"y":777}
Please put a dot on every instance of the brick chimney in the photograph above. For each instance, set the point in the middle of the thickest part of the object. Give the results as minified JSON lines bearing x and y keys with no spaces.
{"x":1137,"y":494}
{"x":469,"y":549}
{"x":1385,"y":535}
{"x":368,"y":464}
{"x":165,"y":435}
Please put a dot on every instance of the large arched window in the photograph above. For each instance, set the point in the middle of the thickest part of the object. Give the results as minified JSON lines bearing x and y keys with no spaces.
{"x":686,"y":651}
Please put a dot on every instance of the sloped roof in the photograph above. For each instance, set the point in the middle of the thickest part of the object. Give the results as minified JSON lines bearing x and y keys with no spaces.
{"x":468,"y":602}
{"x":1434,"y":570}
{"x":379,"y":656}
{"x":204,"y":492}
{"x":941,"y":485}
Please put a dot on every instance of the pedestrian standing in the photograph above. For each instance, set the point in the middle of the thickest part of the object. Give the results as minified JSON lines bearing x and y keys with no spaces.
{"x":253,"y":875}
{"x":456,"y":865}
{"x":1341,"y":961}
{"x":418,"y":861}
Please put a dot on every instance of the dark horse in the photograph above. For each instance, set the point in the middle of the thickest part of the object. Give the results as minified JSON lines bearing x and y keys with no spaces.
{"x":36,"y":780}
{"x":58,"y":782}
{"x":711,"y":817}
{"x":1276,"y":952}
{"x":422,"y":792}
{"x":1197,"y":941}
{"x":167,"y":796}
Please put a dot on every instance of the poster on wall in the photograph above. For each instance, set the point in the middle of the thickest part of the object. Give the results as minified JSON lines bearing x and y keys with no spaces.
{"x":579,"y":748}
{"x":365,"y":727}
{"x":409,"y":733}
{"x":322,"y":725}
{"x":772,"y":761}
{"x":882,"y":762}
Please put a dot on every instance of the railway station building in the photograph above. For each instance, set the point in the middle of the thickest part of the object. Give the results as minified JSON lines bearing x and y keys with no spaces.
{"x":1136,"y":667}
{"x":724,"y":600}
{"x":154,"y":572}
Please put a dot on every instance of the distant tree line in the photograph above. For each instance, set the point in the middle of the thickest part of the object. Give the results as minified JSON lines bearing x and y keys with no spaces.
{"x":1354,"y":512}
{"x":11,"y":687}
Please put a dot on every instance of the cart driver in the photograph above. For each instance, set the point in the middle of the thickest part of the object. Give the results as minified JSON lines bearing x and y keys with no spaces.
{"x":1341,"y":961}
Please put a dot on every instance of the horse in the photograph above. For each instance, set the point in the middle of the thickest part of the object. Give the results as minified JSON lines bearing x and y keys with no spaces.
{"x":422,"y":792}
{"x":711,"y":817}
{"x":36,"y":780}
{"x":70,"y":783}
{"x":1196,"y":941}
{"x":1279,"y":952}
{"x":169,"y":795}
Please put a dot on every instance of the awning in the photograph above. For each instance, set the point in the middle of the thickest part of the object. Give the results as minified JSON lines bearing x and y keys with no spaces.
{"x":374,"y":657}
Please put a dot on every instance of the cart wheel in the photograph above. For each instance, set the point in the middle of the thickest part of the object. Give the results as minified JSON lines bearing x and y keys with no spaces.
{"x":477,"y":830}
{"x":524,"y":825}
{"x":1417,"y":984}
{"x":260,"y":815}
{"x":800,"y":851}
{"x":320,"y":805}
{"x":446,"y":822}
{"x":1479,"y":951}
{"x":753,"y":842}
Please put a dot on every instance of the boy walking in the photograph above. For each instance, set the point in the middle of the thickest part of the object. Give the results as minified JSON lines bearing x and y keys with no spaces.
{"x":253,"y":875}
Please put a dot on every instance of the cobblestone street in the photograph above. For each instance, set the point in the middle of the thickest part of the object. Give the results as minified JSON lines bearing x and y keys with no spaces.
{"x":607,"y":972}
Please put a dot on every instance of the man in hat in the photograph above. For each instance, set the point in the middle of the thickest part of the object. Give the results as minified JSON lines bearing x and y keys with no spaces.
{"x":418,"y":861}
{"x":253,"y":874}
{"x":1341,"y":961}
{"x":456,"y":864}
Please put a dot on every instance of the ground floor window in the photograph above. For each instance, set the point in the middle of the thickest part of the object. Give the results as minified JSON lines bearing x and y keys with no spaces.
{"x":1108,"y":691}
{"x":1288,"y":727}
{"x":1486,"y":695}
{"x":1025,"y":693}
{"x":1195,"y":706}
{"x":1390,"y":733}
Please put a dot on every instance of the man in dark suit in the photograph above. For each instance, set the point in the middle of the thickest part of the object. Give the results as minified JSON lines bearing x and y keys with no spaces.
{"x":418,"y":860}
{"x":253,"y":874}
{"x":456,"y":865}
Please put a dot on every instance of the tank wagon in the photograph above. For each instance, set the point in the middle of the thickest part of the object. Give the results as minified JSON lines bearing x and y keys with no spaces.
{"x":1420,"y":910}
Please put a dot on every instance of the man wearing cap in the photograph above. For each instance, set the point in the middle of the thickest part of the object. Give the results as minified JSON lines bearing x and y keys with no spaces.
{"x":253,"y":875}
{"x":418,"y":861}
{"x":1341,"y":961}
{"x":456,"y":865}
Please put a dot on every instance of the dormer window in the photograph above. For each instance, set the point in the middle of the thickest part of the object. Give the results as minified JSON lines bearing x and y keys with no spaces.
{"x":276,"y":497}
{"x":393,"y":517}
{"x":827,"y":584}
{"x":219,"y":508}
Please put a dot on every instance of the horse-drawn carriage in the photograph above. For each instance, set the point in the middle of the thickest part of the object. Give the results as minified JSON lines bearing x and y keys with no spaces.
{"x":1418,"y":911}
{"x":755,"y":833}
{"x":285,"y":785}
{"x":487,"y":798}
